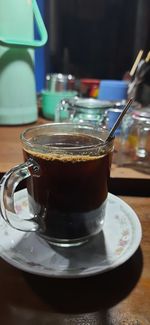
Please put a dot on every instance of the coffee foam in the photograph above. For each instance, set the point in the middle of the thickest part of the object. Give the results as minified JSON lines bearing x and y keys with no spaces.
{"x":52,"y":156}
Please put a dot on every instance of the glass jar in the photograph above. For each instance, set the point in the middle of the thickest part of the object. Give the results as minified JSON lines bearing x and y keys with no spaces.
{"x":135,"y":140}
{"x":83,"y":110}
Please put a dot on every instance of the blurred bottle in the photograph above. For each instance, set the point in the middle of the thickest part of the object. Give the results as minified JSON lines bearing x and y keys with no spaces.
{"x":135,"y":140}
{"x":89,"y":88}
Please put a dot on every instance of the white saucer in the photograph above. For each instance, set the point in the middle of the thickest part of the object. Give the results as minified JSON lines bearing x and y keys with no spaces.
{"x":117,"y":242}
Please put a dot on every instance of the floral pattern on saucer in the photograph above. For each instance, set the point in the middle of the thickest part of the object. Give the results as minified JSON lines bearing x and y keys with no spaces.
{"x":117,"y":242}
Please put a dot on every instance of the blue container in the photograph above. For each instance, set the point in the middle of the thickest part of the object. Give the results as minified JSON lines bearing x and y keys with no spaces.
{"x":113,"y":90}
{"x":113,"y":114}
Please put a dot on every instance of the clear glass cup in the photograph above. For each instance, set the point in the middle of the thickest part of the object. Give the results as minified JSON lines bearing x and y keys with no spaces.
{"x":66,"y":167}
{"x":83,"y":110}
{"x":135,"y":140}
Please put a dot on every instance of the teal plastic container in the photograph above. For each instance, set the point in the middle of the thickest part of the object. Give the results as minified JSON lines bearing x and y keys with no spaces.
{"x":18,"y":104}
{"x":50,"y":100}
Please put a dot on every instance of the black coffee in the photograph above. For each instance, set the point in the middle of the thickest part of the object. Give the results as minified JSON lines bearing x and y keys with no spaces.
{"x":69,"y":195}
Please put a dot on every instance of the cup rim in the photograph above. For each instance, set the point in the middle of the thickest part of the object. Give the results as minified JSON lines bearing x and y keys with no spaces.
{"x":95,"y":129}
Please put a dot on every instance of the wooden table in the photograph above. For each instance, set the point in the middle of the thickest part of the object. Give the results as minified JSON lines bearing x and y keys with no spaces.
{"x":118,"y":297}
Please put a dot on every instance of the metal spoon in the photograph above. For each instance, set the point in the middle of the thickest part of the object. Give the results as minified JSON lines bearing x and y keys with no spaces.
{"x":111,"y":133}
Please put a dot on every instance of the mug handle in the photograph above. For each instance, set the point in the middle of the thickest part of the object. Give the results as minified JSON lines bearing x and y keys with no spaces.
{"x":63,"y":106}
{"x":30,"y":43}
{"x":8,"y":185}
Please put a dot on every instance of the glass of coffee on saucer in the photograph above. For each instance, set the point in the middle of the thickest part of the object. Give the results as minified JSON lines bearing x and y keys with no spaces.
{"x":66,"y":168}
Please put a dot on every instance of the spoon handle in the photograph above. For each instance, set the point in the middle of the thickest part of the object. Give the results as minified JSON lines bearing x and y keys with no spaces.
{"x":119,"y":119}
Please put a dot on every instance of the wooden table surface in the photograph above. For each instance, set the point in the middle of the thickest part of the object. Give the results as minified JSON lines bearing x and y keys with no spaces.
{"x":118,"y":297}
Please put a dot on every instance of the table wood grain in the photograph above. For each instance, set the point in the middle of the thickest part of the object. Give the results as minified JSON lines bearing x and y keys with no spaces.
{"x":10,"y":145}
{"x":118,"y":297}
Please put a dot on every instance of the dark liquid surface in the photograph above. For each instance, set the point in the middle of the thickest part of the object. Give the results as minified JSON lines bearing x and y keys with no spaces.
{"x":68,"y":185}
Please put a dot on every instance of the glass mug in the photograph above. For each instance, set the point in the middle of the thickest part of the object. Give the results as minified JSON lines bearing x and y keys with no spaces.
{"x":83,"y":110}
{"x":135,"y":140}
{"x":66,"y":169}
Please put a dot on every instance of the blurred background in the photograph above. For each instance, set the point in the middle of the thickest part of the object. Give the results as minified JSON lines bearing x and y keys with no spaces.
{"x":98,"y":39}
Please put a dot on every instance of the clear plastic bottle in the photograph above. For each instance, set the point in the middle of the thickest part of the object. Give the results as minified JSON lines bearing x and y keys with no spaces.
{"x":135,"y":140}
